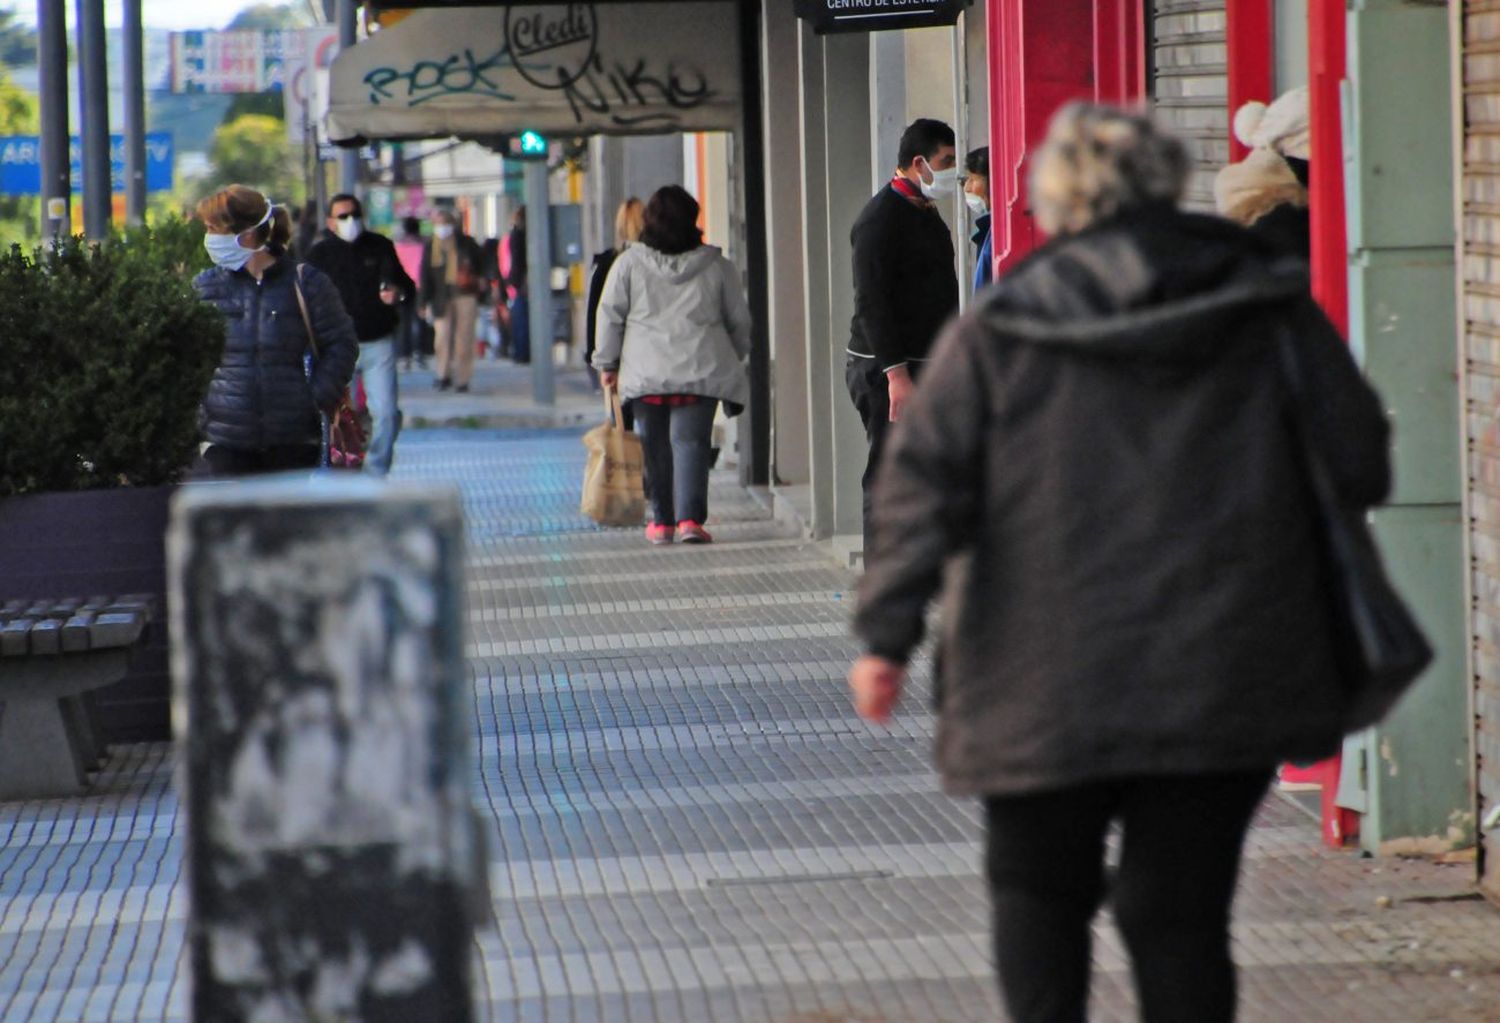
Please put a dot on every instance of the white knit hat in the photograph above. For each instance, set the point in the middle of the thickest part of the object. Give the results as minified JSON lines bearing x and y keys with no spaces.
{"x":1282,"y":126}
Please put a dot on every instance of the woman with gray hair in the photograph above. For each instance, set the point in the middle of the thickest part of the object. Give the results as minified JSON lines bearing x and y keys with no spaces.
{"x":1099,"y":469}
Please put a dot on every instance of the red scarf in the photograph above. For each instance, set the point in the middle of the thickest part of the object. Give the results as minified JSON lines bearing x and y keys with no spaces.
{"x":911,"y":192}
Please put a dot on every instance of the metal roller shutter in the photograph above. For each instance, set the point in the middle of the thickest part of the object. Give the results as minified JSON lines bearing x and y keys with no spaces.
{"x":1190,"y":87}
{"x":1481,"y":312}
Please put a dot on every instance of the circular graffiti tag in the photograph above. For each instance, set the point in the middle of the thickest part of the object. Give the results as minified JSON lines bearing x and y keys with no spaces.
{"x":552,"y":44}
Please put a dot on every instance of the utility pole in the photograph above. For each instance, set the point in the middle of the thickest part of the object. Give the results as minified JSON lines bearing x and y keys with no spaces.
{"x":539,"y":281}
{"x":93,"y":93}
{"x":52,"y":60}
{"x":348,"y":158}
{"x":135,"y":114}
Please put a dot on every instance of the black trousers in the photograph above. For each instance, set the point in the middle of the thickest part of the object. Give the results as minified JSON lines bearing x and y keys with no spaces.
{"x":872,"y":399}
{"x":1180,"y":860}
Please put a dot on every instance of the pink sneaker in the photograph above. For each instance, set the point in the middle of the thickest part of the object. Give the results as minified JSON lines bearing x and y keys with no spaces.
{"x":691,"y":532}
{"x":658,"y":535}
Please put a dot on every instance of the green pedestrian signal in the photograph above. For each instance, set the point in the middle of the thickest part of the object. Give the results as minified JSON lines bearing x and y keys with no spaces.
{"x":532,"y":143}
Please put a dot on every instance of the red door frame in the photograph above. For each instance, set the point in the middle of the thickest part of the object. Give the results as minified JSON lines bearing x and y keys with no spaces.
{"x":1251,"y":44}
{"x":1044,"y":53}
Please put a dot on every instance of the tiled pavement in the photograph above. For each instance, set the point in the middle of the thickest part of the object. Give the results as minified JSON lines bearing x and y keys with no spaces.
{"x":686,"y":823}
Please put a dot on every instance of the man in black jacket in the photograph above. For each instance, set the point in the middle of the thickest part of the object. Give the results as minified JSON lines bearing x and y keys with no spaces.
{"x":905,"y":284}
{"x":364,"y":267}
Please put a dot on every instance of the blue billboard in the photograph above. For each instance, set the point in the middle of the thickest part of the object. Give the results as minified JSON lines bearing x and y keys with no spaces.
{"x":21,"y":163}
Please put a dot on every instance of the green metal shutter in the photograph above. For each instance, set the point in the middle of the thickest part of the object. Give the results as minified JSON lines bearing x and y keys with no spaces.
{"x":1190,"y":86}
{"x":1481,"y":332}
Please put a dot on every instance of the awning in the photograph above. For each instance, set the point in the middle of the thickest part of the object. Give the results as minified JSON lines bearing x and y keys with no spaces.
{"x":560,"y":69}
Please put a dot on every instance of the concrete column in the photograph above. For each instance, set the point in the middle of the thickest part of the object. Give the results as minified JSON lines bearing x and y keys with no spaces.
{"x":846,"y":97}
{"x":887,"y":103}
{"x":93,"y":106}
{"x":52,"y":60}
{"x":134,"y":113}
{"x":1415,"y":769}
{"x":324,"y":718}
{"x":539,"y":281}
{"x":788,"y":327}
{"x":348,"y":158}
{"x":815,"y":280}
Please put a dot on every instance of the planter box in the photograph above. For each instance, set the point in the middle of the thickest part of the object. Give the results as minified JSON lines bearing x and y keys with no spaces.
{"x":99,"y":542}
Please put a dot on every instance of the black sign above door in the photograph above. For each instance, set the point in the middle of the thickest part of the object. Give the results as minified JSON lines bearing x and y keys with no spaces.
{"x":877,"y":15}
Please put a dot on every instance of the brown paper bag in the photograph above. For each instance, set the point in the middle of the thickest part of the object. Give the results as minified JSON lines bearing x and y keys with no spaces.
{"x":614,"y":492}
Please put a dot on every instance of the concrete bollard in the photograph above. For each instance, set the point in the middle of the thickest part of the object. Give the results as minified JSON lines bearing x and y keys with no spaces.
{"x":323,"y":715}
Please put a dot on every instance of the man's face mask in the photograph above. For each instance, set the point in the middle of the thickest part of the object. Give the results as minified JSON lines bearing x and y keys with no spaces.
{"x":943,"y":183}
{"x":349,"y":227}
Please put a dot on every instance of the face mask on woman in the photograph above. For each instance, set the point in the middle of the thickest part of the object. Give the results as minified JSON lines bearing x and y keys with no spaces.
{"x":443,"y":231}
{"x":943,"y":182}
{"x":225,"y":249}
{"x":977,"y":206}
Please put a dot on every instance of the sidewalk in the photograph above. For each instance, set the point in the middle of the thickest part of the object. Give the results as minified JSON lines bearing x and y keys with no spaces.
{"x":499,"y":396}
{"x":686,"y":823}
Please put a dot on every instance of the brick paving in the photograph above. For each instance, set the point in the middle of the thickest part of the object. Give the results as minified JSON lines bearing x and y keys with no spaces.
{"x":687,"y":824}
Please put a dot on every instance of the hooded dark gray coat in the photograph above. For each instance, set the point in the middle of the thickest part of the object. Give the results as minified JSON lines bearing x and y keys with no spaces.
{"x":1099,"y":468}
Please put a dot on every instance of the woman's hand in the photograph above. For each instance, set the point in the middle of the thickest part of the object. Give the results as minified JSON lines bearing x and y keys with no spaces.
{"x":609,"y":378}
{"x":875,"y":684}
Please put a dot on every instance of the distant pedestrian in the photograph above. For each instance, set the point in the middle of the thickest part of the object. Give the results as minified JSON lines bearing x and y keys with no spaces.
{"x":513,"y":263}
{"x":977,"y":198}
{"x":410,"y":248}
{"x":1099,"y":468}
{"x":1267,"y":190}
{"x":261,"y":411}
{"x":364,"y":266}
{"x":451,"y":282}
{"x":905,"y":284}
{"x":630,"y":219}
{"x":674,"y":331}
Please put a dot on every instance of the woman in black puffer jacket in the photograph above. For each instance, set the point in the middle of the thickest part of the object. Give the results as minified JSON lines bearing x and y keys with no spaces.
{"x":261,"y":411}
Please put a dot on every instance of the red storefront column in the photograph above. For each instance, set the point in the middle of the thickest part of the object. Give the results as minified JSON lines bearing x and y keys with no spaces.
{"x":1327,"y":42}
{"x":1043,"y":53}
{"x":1251,"y":59}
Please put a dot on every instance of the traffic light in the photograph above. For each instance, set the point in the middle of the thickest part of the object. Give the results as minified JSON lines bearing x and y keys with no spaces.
{"x":530,"y":144}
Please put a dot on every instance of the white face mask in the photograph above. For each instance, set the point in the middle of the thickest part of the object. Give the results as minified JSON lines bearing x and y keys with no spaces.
{"x":976,"y":204}
{"x":443,"y":231}
{"x":350,"y":228}
{"x":225,"y":249}
{"x":943,"y":184}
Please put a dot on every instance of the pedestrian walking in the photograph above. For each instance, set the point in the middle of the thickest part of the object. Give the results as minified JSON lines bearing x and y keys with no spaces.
{"x":1267,"y":190}
{"x":630,"y":218}
{"x":410,"y":249}
{"x":261,"y":413}
{"x":1099,"y":466}
{"x":674,"y":331}
{"x":450,"y":284}
{"x":365,"y":268}
{"x":905,"y":284}
{"x":513,"y":263}
{"x":977,"y":198}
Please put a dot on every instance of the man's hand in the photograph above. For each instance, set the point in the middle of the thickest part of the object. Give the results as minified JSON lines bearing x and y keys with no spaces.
{"x":876,"y":686}
{"x":608,"y":378}
{"x":898,"y":381}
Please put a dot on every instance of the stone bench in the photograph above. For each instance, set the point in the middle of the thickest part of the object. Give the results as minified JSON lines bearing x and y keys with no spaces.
{"x":53,"y":655}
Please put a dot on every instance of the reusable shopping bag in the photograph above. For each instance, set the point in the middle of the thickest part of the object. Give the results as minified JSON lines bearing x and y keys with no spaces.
{"x":343,"y":439}
{"x":614,"y":492}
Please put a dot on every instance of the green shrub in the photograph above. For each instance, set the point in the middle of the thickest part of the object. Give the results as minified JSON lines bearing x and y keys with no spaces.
{"x":105,"y":355}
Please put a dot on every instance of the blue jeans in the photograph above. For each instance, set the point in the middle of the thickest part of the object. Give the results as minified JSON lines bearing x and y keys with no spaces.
{"x":377,"y":367}
{"x":676,"y":442}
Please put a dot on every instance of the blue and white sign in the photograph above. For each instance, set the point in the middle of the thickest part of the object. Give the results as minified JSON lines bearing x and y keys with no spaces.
{"x":21,"y":163}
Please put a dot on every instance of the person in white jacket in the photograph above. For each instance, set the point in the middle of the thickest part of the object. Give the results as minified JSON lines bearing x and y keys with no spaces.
{"x":674,"y":331}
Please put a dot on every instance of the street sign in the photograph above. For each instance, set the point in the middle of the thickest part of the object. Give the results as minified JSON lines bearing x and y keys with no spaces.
{"x":21,"y":163}
{"x":243,"y":60}
{"x":877,"y":15}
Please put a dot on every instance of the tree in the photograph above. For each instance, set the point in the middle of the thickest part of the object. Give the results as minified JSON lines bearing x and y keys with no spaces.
{"x":253,"y":150}
{"x":271,"y":16}
{"x":17,"y":41}
{"x":20,"y":216}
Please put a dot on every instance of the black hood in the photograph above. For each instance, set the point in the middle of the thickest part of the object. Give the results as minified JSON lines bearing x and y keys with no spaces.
{"x":1156,"y":284}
